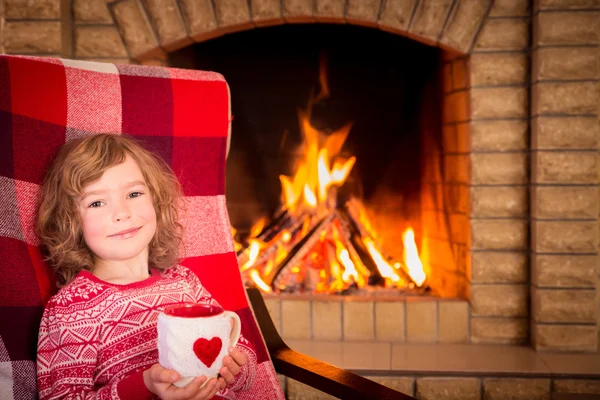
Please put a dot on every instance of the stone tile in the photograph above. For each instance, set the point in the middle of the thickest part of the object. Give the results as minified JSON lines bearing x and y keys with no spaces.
{"x":330,"y":10}
{"x":456,"y":168}
{"x":328,"y":351}
{"x":499,"y":330}
{"x":453,"y":321}
{"x":501,"y":102}
{"x":366,"y":356}
{"x":200,"y":19}
{"x":390,"y":321}
{"x":565,"y":4}
{"x":98,"y":42}
{"x":516,"y":389}
{"x":499,"y":135}
{"x":463,"y":24}
{"x":91,"y":12}
{"x":395,"y":14}
{"x":447,"y":78}
{"x":460,"y":74}
{"x":564,"y":270}
{"x":421,"y":321}
{"x":572,"y":98}
{"x":448,"y":389}
{"x":564,"y":305}
{"x":32,"y":37}
{"x":364,"y":12}
{"x":565,"y":63}
{"x":499,"y":267}
{"x":564,"y":236}
{"x":358,"y":320}
{"x":456,"y":107}
{"x":299,"y":391}
{"x":429,"y":18}
{"x":297,"y":10}
{"x":327,"y":320}
{"x":265,"y":11}
{"x":570,"y":338}
{"x":499,"y":69}
{"x":499,"y":168}
{"x":564,"y":202}
{"x":586,"y":386}
{"x":456,"y":138}
{"x":566,"y":28}
{"x":466,"y":358}
{"x":499,"y":201}
{"x":570,"y":167}
{"x":398,"y":383}
{"x":503,"y":34}
{"x":564,"y":133}
{"x":38,"y":9}
{"x":499,"y":300}
{"x":274,"y":308}
{"x":168,"y":23}
{"x":511,"y":8}
{"x":499,"y":234}
{"x":232,"y":15}
{"x":582,"y":364}
{"x":295,"y":319}
{"x":135,"y":29}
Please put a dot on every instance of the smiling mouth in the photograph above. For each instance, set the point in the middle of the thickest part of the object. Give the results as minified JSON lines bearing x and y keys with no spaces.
{"x":126,"y":233}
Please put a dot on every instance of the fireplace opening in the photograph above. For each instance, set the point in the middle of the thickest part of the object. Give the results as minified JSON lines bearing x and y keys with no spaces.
{"x":339,"y":176}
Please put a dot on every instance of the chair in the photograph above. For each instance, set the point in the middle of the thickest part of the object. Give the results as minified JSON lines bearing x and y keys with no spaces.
{"x":185,"y":117}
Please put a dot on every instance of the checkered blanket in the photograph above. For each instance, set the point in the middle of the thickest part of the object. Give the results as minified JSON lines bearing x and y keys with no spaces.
{"x":182,"y":115}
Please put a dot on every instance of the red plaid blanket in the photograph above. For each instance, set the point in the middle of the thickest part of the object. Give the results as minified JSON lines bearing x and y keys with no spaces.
{"x":182,"y":115}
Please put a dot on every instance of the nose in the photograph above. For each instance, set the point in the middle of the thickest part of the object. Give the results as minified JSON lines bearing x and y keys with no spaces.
{"x":121,"y":212}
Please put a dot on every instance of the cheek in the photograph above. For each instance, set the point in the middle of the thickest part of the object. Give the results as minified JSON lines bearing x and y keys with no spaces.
{"x":91,"y":227}
{"x":148,"y":213}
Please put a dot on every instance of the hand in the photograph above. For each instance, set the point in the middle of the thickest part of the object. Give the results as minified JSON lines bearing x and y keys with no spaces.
{"x":160,"y":381}
{"x":232,"y":365}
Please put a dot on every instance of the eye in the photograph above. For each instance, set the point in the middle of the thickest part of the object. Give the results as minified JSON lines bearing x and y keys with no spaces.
{"x":135,"y":194}
{"x":95,"y":204}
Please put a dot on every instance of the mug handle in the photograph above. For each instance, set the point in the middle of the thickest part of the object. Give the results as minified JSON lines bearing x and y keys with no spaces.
{"x":234,"y":336}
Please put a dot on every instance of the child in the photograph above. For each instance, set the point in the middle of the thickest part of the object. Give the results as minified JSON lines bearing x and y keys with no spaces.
{"x":108,"y":223}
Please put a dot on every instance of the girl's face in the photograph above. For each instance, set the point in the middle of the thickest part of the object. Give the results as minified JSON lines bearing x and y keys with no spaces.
{"x":117,"y":214}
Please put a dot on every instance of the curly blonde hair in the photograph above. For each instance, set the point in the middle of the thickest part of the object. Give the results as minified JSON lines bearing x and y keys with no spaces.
{"x":83,"y":161}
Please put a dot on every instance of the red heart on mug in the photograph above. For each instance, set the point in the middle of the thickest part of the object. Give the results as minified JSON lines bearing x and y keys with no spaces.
{"x":208,"y":350}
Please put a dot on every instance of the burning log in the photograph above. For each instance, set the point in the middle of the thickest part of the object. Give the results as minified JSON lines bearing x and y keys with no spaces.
{"x":355,"y":238}
{"x":293,"y":229}
{"x":299,"y":251}
{"x":353,"y":214}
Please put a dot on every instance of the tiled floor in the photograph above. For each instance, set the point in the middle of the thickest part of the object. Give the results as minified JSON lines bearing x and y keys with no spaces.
{"x":448,"y":358}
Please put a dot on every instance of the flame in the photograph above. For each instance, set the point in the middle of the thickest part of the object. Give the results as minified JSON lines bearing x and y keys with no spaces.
{"x":385,"y":269}
{"x":306,"y":196}
{"x":255,"y":246}
{"x":259,"y":282}
{"x":411,"y":257}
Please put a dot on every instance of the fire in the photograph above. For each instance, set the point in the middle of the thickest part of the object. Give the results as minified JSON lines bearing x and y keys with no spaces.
{"x":316,"y":241}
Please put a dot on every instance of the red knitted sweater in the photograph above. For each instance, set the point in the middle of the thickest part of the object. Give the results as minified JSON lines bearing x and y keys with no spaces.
{"x":96,"y":338}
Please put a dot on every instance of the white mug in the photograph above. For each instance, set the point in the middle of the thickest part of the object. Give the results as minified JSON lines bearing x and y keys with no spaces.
{"x":194,"y":338}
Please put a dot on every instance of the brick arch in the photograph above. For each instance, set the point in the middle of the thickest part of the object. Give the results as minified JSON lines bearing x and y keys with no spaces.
{"x":151,"y":29}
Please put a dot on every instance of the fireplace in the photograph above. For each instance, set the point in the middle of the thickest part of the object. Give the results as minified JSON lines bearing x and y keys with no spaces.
{"x":345,"y":164}
{"x":520,"y":92}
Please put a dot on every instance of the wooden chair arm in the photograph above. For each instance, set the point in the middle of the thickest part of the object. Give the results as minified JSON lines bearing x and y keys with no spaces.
{"x":320,"y":375}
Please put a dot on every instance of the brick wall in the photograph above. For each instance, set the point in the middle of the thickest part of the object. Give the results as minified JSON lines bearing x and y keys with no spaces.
{"x":564,"y":201}
{"x":533,"y":179}
{"x":499,"y":99}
